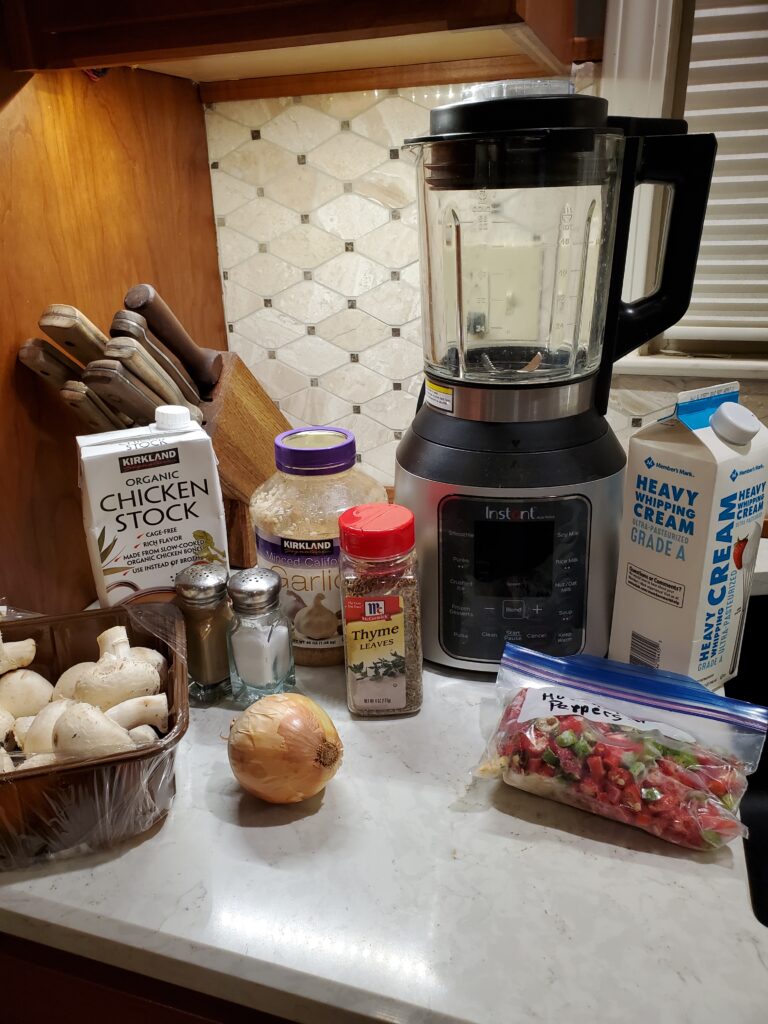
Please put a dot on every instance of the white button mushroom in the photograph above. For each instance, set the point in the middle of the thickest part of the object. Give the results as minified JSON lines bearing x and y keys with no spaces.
{"x":154,"y":658}
{"x":6,"y":764}
{"x":16,"y":654}
{"x":24,"y":692}
{"x":39,"y":735}
{"x":116,"y":676}
{"x":65,"y":685}
{"x":21,"y":728}
{"x":143,"y":735}
{"x":38,"y":761}
{"x":141,"y":711}
{"x":85,"y":731}
{"x":6,"y":727}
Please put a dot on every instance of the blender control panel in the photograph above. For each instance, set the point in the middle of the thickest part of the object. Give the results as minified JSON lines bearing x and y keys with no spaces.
{"x":512,"y":570}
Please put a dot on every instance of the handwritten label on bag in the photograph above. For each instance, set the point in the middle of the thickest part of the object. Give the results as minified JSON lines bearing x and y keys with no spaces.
{"x":551,"y":703}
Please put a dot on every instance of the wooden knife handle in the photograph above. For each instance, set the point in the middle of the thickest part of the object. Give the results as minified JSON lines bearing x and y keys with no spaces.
{"x":126,"y":323}
{"x":43,"y":358}
{"x":203,"y":364}
{"x":73,"y":331}
{"x":120,"y":389}
{"x":89,"y":410}
{"x":138,"y":361}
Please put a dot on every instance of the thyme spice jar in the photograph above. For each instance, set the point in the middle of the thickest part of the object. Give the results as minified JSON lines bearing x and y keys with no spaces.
{"x":381,"y":609}
{"x":296,"y":517}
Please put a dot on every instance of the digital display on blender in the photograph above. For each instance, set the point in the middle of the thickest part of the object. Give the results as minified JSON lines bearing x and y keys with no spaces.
{"x":514,"y":559}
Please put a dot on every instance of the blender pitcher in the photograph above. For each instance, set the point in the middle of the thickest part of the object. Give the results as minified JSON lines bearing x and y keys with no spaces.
{"x":518,"y":205}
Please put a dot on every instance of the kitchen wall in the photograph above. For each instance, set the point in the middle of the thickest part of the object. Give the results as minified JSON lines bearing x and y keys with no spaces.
{"x":316,"y":220}
{"x":102,"y":184}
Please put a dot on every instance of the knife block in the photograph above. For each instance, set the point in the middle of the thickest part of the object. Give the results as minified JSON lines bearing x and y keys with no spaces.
{"x":242,"y":422}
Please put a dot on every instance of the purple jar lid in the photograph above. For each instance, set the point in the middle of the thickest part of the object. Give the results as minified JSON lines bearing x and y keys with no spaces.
{"x":313,"y":451}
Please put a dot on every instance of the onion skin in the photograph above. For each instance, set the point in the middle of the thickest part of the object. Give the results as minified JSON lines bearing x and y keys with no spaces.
{"x":284,"y":748}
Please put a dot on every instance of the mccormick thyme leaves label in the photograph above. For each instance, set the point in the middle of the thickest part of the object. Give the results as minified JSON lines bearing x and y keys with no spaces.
{"x":374,"y":634}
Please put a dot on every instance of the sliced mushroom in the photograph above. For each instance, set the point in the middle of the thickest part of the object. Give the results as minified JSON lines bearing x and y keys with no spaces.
{"x":6,"y":727}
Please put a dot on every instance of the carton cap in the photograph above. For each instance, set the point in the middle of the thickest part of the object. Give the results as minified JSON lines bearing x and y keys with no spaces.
{"x":734,"y":424}
{"x":172,"y":417}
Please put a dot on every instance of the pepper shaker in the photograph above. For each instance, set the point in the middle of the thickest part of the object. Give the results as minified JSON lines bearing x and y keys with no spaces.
{"x":260,"y":652}
{"x":202,"y":597}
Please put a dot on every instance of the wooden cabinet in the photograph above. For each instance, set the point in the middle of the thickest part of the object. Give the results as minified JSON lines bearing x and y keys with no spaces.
{"x":90,"y":33}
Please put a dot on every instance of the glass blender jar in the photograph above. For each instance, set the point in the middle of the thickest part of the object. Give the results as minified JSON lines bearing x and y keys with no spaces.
{"x":510,"y":467}
{"x":517,"y":232}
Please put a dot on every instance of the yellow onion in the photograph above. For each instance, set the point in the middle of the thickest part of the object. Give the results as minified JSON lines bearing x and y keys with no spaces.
{"x":284,"y":748}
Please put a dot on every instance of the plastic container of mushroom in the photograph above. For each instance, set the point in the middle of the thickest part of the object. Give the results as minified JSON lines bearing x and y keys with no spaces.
{"x":89,"y":800}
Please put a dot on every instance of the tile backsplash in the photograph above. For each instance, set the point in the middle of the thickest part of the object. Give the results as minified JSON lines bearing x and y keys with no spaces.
{"x":315,"y":208}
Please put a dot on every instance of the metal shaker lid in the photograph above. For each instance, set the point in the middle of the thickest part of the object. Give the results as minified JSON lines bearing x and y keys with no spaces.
{"x":202,"y":582}
{"x":254,"y":590}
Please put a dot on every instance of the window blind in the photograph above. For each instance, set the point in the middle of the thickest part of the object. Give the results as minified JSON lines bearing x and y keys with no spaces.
{"x":728,"y":94}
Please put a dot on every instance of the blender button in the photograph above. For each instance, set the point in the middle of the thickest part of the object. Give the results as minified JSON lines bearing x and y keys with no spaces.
{"x":536,"y":609}
{"x":537,"y":637}
{"x":513,"y":610}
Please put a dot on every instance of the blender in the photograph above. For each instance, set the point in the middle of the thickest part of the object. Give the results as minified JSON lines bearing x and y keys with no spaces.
{"x":510,"y":467}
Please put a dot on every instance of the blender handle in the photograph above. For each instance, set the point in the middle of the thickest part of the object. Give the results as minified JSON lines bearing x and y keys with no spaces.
{"x":685,"y":163}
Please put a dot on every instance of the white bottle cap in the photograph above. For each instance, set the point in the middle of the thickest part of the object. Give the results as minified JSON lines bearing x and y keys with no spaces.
{"x":172,"y":417}
{"x":734,"y":423}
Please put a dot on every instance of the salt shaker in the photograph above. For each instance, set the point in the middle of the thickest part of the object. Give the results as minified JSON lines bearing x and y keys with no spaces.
{"x":260,"y":653}
{"x":201,"y":590}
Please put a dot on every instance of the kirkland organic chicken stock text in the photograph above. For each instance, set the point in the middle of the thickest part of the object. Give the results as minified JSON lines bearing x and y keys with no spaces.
{"x":693,"y":512}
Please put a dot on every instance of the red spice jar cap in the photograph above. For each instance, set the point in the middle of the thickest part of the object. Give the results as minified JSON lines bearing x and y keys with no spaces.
{"x":376,"y":531}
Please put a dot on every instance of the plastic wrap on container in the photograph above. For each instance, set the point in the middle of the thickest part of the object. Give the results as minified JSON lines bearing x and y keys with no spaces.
{"x":646,"y":748}
{"x":81,"y":805}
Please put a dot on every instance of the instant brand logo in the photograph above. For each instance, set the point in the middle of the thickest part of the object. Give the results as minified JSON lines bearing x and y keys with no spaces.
{"x":149,"y":460}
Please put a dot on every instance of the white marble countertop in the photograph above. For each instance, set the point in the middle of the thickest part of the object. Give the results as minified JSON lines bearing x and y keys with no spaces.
{"x":406,"y":893}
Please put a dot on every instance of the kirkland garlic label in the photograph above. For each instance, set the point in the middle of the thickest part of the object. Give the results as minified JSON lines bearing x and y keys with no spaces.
{"x":310,"y":596}
{"x":151,"y":505}
{"x":374,"y":633}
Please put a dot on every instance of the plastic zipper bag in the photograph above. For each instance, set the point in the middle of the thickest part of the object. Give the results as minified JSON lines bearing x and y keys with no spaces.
{"x":646,"y":748}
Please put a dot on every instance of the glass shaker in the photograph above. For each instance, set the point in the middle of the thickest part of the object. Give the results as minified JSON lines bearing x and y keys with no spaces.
{"x":201,"y":590}
{"x":260,"y":653}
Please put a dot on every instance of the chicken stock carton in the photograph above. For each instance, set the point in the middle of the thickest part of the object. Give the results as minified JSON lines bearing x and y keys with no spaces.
{"x":694,"y":505}
{"x":151,"y":504}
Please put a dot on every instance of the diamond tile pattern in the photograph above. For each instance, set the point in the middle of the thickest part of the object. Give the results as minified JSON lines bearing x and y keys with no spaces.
{"x":301,"y":241}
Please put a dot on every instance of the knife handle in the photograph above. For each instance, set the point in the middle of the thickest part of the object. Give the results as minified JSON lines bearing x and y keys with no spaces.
{"x":71,"y":329}
{"x":43,"y":358}
{"x":203,"y":364}
{"x":127,"y":324}
{"x":81,"y":399}
{"x":141,"y":365}
{"x":112,"y":382}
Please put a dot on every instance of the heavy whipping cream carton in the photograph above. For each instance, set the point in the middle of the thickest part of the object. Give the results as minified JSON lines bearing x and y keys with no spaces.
{"x":151,"y":504}
{"x":694,"y":505}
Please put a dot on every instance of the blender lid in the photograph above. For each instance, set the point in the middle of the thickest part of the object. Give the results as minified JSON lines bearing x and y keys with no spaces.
{"x":516,"y":114}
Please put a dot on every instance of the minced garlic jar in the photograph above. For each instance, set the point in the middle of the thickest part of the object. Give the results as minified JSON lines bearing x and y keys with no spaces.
{"x":296,"y":517}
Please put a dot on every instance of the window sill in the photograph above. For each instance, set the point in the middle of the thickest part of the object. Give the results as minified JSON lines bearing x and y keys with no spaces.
{"x":696,"y":366}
